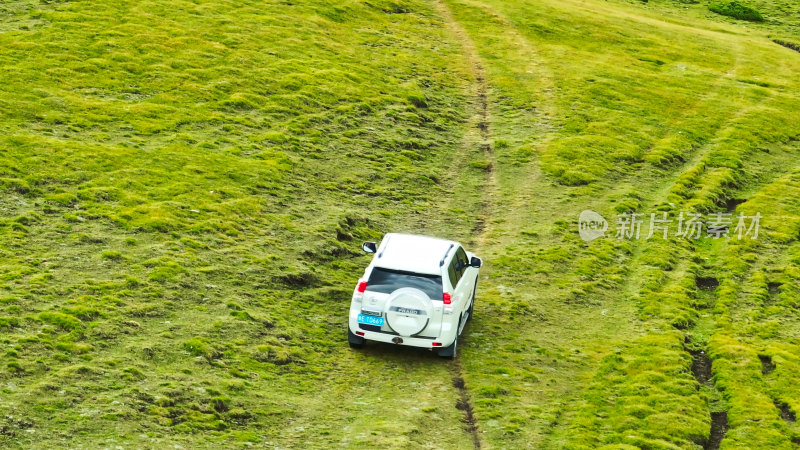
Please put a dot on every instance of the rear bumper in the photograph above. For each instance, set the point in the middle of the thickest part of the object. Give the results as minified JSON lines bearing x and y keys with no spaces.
{"x":397,"y":340}
{"x":391,"y":338}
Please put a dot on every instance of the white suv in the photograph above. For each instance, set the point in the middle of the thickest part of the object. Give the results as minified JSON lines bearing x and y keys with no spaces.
{"x":417,"y":291}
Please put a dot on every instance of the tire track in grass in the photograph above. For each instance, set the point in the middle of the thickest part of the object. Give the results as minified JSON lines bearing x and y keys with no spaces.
{"x":701,"y":367}
{"x":477,"y":134}
{"x":768,"y":172}
{"x":465,"y":404}
{"x":750,"y":299}
{"x":696,"y":343}
{"x":478,"y":126}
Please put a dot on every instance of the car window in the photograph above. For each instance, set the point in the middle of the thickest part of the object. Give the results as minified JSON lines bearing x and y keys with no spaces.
{"x":386,"y":281}
{"x":461,"y":256}
{"x":453,"y":273}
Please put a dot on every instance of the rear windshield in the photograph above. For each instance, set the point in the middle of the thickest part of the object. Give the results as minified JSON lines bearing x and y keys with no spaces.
{"x":387,"y":281}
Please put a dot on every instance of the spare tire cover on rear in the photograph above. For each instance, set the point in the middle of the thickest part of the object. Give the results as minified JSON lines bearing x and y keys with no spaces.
{"x":408,"y":311}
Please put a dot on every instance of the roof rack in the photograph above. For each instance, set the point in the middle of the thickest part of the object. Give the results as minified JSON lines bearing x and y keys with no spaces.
{"x":441,"y":263}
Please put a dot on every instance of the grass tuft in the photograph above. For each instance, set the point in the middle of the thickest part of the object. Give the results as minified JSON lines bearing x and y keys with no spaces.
{"x":736,"y":10}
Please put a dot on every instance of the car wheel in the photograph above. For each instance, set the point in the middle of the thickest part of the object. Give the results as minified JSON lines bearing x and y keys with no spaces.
{"x":354,"y":340}
{"x":450,"y":351}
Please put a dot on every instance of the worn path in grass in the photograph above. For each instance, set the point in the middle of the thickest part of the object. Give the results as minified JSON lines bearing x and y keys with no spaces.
{"x":477,"y":135}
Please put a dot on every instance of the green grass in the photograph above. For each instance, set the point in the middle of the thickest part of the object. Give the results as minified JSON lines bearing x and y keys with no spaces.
{"x":177,"y":229}
{"x":186,"y":186}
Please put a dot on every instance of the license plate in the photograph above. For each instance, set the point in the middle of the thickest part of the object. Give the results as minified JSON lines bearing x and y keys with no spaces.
{"x":370,"y":320}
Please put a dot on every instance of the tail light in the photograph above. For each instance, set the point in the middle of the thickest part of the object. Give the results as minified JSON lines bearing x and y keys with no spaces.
{"x":359,"y":293}
{"x":446,"y":298}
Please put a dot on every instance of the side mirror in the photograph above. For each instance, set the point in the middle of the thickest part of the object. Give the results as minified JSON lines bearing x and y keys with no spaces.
{"x":475,"y":262}
{"x":369,"y":247}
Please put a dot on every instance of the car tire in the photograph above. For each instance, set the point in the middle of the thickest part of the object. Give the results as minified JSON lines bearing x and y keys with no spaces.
{"x":450,"y":351}
{"x":354,"y":340}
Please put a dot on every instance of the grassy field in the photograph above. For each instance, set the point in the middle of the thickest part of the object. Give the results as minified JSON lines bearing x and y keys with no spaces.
{"x":186,"y":186}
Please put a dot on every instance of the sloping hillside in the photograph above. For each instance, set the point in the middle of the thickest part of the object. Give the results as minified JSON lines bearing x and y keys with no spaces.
{"x":186,"y":186}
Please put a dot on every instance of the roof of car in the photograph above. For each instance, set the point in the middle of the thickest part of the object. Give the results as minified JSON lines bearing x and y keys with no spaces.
{"x":413,"y":253}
